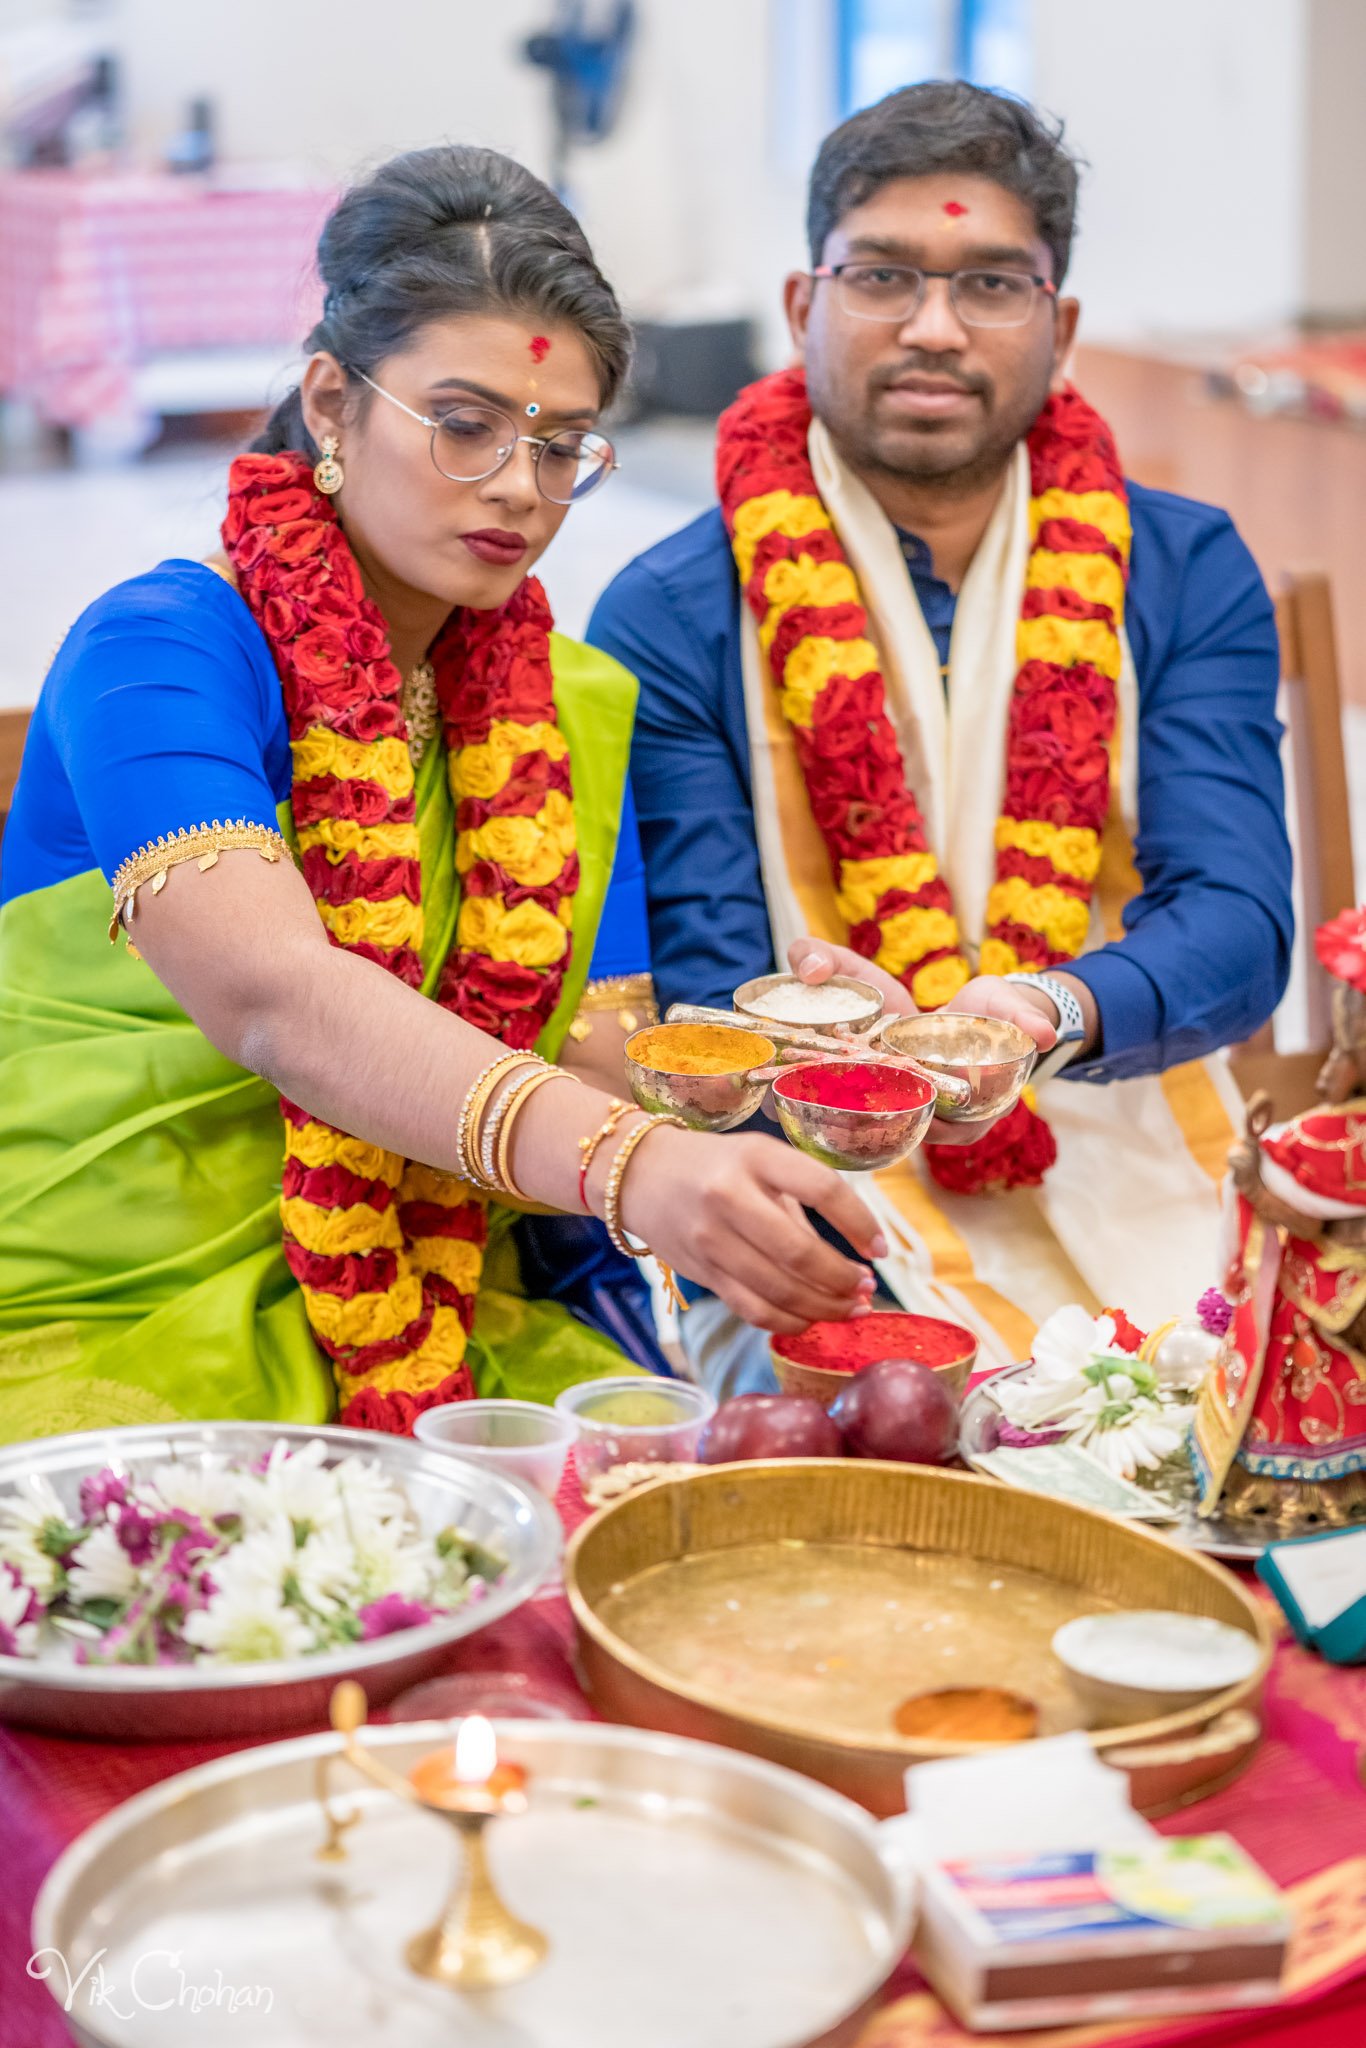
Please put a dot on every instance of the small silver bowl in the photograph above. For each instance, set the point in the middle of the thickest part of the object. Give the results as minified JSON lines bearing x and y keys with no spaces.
{"x":853,"y":1140}
{"x":751,"y":995}
{"x":993,"y":1056}
{"x":705,"y":1102}
{"x":1141,"y":1665}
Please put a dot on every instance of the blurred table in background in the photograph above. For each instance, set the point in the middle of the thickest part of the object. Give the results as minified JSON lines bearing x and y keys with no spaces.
{"x":127,"y":294}
{"x":1251,"y":430}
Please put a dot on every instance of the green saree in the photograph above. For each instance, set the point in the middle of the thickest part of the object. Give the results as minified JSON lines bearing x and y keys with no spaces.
{"x":141,"y":1273}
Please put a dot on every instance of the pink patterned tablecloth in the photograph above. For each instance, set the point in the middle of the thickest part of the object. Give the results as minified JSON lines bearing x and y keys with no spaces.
{"x":98,"y":272}
{"x":1300,"y":1810}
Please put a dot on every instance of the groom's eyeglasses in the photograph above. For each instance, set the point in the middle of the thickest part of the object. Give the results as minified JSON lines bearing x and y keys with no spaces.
{"x":472,"y":442}
{"x":893,"y":292}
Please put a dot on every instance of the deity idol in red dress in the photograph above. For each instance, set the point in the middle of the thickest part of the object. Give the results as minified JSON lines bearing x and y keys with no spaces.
{"x":1280,"y":1431}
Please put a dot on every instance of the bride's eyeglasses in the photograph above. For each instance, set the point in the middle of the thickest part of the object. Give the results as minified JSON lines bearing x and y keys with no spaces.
{"x":472,"y":442}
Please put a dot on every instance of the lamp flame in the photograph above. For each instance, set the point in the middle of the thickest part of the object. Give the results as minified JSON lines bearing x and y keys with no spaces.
{"x":476,"y":1750}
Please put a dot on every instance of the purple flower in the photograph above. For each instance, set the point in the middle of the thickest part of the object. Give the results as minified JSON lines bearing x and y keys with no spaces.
{"x":100,"y":1492}
{"x":34,"y":1610}
{"x":1214,"y":1312}
{"x":180,"y":1594}
{"x":123,"y":1636}
{"x":137,"y":1532}
{"x":386,"y":1616}
{"x":1027,"y":1439}
{"x":171,"y":1648}
{"x":190,"y":1547}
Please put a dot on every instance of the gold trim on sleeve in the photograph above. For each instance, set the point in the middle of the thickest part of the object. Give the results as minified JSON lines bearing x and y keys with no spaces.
{"x":199,"y":843}
{"x":632,"y":996}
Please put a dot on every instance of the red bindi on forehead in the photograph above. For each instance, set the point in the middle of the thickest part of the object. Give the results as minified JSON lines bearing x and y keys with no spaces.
{"x":954,"y":208}
{"x":539,"y":347}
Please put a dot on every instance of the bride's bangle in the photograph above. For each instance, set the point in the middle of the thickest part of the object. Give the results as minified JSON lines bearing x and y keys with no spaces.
{"x":485,"y":1141}
{"x":611,"y":1201}
{"x":472,"y":1111}
{"x":588,"y":1146}
{"x":517,"y":1098}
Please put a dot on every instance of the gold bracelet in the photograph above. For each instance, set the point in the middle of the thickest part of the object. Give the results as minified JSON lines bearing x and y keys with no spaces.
{"x":517,"y":1100}
{"x":611,"y":1201}
{"x":472,"y":1110}
{"x":632,"y":996}
{"x":477,"y":1104}
{"x":495,"y":1113}
{"x":588,"y":1146}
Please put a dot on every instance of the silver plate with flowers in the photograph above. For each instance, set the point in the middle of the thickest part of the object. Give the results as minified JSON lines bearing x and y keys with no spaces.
{"x":218,"y":1579}
{"x":1101,"y":1415}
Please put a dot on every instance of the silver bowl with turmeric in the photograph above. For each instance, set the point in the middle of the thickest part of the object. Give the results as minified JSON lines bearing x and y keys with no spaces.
{"x":702,"y":1073}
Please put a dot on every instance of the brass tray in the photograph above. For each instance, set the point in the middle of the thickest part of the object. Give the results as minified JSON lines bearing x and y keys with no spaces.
{"x":787,"y":1607}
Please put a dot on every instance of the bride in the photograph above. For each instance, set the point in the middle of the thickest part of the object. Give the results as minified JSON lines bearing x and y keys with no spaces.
{"x":358,"y":803}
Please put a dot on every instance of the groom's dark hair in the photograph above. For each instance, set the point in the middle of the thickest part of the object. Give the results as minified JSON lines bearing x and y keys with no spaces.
{"x":946,"y":125}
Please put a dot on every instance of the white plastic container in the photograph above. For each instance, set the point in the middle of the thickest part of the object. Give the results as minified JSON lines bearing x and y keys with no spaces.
{"x":520,"y":1439}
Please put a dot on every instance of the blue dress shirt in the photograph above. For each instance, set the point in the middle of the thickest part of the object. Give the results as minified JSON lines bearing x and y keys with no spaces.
{"x":1206,"y":950}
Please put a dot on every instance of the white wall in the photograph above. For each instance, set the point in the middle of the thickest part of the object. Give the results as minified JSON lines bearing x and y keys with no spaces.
{"x":679,"y":203}
{"x":1335,"y":174}
{"x":1191,"y":114}
{"x":1225,"y":137}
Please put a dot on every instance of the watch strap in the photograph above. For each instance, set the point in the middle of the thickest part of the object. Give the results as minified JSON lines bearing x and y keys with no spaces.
{"x":1071,"y":1021}
{"x":1071,"y":1024}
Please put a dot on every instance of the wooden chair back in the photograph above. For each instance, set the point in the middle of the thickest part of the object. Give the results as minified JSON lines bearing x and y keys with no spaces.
{"x":1311,"y":706}
{"x":13,"y":731}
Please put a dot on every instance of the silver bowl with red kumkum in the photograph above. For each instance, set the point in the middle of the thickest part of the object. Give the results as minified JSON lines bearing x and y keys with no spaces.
{"x":856,"y":1116}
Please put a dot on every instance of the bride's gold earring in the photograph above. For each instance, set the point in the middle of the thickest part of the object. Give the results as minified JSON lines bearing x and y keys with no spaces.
{"x":328,"y":473}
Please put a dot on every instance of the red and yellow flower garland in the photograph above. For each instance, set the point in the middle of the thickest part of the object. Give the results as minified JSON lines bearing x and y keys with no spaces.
{"x":814,"y":630}
{"x":389,"y":1253}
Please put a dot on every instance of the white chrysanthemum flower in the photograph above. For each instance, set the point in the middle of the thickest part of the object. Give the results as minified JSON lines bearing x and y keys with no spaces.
{"x":390,"y":1560}
{"x":295,"y":1485}
{"x":1065,"y":1344}
{"x":205,"y":1491}
{"x":101,"y":1569}
{"x":24,"y":1515}
{"x":367,"y":1496}
{"x":325,"y":1570}
{"x":248,"y":1624}
{"x":1126,"y":1437}
{"x":260,"y":1563}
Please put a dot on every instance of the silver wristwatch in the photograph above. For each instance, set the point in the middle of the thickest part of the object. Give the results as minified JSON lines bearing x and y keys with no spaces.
{"x":1071,"y":1023}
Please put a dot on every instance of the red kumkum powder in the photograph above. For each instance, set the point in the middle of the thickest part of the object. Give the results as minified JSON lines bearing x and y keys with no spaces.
{"x":846,"y":1347}
{"x":856,"y":1087}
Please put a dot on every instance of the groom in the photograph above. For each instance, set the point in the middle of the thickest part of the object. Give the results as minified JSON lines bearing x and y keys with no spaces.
{"x":934,"y":681}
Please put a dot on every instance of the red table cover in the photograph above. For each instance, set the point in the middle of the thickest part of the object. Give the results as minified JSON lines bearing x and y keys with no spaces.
{"x":1300,"y":1810}
{"x":99,"y":271}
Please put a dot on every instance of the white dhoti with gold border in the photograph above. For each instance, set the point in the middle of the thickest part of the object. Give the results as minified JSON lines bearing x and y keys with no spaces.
{"x":1129,"y":1214}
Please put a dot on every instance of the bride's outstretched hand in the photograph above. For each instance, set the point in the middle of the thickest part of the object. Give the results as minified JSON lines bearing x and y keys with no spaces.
{"x":815,"y":960}
{"x":726,"y":1212}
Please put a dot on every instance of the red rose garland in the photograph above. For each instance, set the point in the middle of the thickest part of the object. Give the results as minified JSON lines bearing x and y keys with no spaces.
{"x":388,"y":1253}
{"x":814,"y":628}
